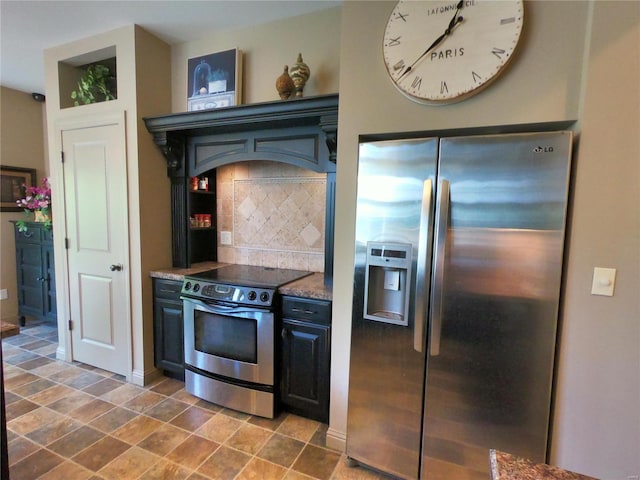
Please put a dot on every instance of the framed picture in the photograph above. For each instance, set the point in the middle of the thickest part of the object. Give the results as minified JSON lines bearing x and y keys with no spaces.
{"x":12,"y":182}
{"x":214,"y":80}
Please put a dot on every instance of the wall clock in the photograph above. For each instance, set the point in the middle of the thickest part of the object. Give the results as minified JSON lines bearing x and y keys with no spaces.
{"x":439,"y":52}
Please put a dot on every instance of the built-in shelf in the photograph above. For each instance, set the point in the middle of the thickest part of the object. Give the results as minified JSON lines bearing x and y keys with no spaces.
{"x":71,"y":70}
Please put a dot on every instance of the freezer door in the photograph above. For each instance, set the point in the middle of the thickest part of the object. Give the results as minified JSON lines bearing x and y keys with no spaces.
{"x":386,"y":381}
{"x":498,"y":250}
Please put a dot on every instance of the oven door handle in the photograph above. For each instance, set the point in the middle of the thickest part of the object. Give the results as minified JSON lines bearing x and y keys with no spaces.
{"x":217,"y":308}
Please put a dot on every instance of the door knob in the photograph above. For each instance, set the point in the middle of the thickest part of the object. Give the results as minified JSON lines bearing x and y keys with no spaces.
{"x":116,"y":267}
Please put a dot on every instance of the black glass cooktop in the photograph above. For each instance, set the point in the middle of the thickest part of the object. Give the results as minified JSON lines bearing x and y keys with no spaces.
{"x":250,"y":276}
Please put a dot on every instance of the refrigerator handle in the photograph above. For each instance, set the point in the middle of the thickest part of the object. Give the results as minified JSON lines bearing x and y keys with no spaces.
{"x":422,"y":277}
{"x":442,"y":219}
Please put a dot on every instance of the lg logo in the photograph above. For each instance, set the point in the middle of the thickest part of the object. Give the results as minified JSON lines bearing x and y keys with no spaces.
{"x":540,"y":149}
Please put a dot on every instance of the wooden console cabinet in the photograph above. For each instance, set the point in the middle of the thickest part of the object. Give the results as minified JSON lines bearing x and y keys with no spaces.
{"x":36,"y":273}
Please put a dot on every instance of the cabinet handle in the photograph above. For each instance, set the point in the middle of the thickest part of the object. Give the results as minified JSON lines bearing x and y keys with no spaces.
{"x":27,"y":234}
{"x":305,"y":311}
{"x":283,"y":333}
{"x":115,"y":267}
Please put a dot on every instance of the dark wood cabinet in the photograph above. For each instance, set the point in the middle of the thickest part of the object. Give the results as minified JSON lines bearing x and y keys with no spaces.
{"x":202,"y":239}
{"x":305,"y":357}
{"x":300,"y":132}
{"x":168,"y":328}
{"x":35,"y":272}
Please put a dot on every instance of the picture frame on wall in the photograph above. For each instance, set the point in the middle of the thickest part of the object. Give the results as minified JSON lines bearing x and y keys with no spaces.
{"x":214,"y":80}
{"x":13,"y":183}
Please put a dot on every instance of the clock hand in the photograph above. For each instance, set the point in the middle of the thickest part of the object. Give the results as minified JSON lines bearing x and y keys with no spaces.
{"x":452,"y":23}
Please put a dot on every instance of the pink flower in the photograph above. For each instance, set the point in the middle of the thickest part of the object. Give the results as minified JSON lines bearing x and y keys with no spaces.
{"x":36,"y":198}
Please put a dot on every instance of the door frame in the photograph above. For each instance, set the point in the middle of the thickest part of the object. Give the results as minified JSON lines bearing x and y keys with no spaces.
{"x":65,"y":345}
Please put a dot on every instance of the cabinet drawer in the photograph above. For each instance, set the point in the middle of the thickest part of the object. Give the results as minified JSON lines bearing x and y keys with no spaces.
{"x":32,"y":235}
{"x":169,"y":289}
{"x":314,"y":311}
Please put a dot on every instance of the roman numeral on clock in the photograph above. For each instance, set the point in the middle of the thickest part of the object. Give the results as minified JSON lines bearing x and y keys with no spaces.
{"x":398,"y":66}
{"x":443,"y":87}
{"x":394,"y":42}
{"x":416,"y":82}
{"x":476,"y":77}
{"x":498,"y":52}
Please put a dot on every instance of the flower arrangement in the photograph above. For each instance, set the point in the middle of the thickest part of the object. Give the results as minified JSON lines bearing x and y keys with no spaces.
{"x":38,"y":200}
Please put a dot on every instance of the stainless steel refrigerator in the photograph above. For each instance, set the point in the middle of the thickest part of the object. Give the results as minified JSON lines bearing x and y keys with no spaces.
{"x":459,"y":249}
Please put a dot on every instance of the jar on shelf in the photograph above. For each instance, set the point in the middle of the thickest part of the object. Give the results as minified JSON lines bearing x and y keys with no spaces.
{"x":203,"y":184}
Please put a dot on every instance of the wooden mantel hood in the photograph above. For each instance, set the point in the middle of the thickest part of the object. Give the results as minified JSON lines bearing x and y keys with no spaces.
{"x":170,"y":131}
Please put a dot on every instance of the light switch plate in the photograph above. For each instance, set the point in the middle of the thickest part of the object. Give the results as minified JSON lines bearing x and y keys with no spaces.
{"x":604,"y":280}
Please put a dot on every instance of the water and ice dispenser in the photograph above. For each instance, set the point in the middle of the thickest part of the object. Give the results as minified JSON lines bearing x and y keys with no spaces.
{"x":387,"y":282}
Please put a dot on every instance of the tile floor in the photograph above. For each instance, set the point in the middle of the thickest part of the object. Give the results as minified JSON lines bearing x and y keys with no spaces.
{"x":74,"y":422}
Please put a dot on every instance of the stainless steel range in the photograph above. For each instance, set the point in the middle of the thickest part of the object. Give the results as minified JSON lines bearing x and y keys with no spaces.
{"x":230,"y":318}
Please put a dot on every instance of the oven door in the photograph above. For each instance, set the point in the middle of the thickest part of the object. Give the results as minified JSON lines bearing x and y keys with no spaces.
{"x":232,"y":341}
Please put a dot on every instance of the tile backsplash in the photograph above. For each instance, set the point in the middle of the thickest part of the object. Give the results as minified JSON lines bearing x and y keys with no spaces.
{"x":275,"y":213}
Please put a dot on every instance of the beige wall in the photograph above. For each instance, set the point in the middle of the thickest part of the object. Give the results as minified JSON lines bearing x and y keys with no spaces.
{"x":597,"y":423}
{"x":21,"y":145}
{"x":266,"y":50}
{"x":597,"y":429}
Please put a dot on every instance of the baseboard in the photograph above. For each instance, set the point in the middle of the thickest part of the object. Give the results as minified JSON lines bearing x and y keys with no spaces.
{"x":61,"y":353}
{"x":336,"y":440}
{"x":142,"y":378}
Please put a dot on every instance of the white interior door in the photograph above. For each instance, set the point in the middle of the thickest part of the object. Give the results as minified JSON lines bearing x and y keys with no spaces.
{"x":95,"y":179}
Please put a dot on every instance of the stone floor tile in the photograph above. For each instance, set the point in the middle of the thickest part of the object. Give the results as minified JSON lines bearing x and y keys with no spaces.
{"x":70,"y":402}
{"x":164,"y":439}
{"x":20,"y":448}
{"x":53,"y":431}
{"x":167,"y":409}
{"x":33,"y":420}
{"x":129,"y":465}
{"x":19,"y":408}
{"x":258,"y":469}
{"x":67,"y":470}
{"x":224,"y":463}
{"x":168,"y":387}
{"x":51,"y":395}
{"x":165,"y":470}
{"x":192,"y":418}
{"x":122,"y":394}
{"x":113,"y":419}
{"x":102,"y":387}
{"x":100,"y":453}
{"x":144,"y":401}
{"x":219,"y":428}
{"x":249,"y":439}
{"x":91,"y":410}
{"x":317,"y":462}
{"x":35,"y":363}
{"x":192,"y":452}
{"x":137,"y":429}
{"x":281,"y":450}
{"x":76,"y":441}
{"x":35,"y":465}
{"x":33,"y":387}
{"x":299,"y":428}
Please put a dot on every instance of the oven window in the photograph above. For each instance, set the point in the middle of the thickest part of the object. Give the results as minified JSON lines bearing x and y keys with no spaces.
{"x":229,"y":337}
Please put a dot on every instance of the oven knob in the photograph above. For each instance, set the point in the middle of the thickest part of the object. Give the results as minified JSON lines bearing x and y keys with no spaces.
{"x":196,"y":287}
{"x":264,"y":297}
{"x":187,"y":286}
{"x":251,"y":295}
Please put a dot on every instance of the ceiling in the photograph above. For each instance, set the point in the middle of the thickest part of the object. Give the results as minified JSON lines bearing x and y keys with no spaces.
{"x":27,"y":27}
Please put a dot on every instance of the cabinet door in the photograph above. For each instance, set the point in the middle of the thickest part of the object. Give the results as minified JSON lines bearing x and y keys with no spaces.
{"x":49,"y":290}
{"x":305,"y":369}
{"x":169,"y":336}
{"x":30,"y":279}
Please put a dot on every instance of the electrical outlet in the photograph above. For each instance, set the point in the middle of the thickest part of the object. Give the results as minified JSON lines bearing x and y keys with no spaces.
{"x":4,"y":294}
{"x":225,"y":238}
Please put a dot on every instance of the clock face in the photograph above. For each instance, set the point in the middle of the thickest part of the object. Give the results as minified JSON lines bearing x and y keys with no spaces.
{"x":445,"y":51}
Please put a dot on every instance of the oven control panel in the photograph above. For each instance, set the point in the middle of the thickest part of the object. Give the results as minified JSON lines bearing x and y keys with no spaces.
{"x":228,"y":293}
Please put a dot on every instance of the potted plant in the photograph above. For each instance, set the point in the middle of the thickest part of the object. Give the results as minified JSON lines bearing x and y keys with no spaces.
{"x":38,"y":201}
{"x":94,"y":86}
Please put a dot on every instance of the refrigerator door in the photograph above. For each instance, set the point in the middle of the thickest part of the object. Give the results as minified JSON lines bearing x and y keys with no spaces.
{"x":386,"y":382}
{"x":498,"y":250}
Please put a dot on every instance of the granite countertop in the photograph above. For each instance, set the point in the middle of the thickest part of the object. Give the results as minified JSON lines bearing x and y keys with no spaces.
{"x":505,"y":466}
{"x":312,"y":286}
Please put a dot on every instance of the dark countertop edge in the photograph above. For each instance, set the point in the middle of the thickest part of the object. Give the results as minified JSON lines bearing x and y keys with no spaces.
{"x":179,"y":273}
{"x":313,"y":286}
